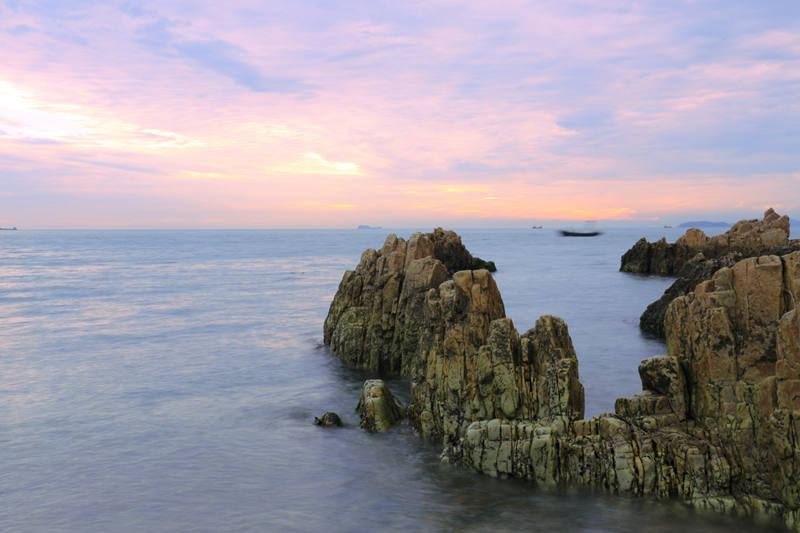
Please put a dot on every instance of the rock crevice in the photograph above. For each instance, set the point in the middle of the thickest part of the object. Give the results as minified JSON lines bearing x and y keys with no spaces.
{"x":694,"y":258}
{"x":714,"y":425}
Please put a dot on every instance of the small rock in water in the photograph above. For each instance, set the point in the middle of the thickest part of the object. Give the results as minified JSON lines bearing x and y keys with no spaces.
{"x":328,"y":419}
{"x":378,"y":409}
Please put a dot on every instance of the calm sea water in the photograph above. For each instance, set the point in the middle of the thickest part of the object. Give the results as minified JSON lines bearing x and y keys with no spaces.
{"x":167,"y":381}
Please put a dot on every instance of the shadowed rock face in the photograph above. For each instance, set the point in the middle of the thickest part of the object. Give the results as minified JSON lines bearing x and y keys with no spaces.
{"x":714,"y":425}
{"x":376,"y":316}
{"x":694,"y":258}
{"x":746,"y":237}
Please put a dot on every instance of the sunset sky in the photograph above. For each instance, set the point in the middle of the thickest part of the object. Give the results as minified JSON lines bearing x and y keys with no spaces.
{"x":330,"y":114}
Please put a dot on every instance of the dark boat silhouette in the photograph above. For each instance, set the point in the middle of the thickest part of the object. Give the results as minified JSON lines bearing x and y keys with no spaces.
{"x":566,"y":233}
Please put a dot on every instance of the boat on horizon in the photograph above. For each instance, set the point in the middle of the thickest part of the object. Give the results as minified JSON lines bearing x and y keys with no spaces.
{"x":9,"y":229}
{"x":567,"y":233}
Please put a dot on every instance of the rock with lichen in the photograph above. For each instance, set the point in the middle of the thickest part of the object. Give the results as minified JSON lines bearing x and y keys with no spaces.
{"x":714,"y":425}
{"x":378,"y":409}
{"x":376,"y":317}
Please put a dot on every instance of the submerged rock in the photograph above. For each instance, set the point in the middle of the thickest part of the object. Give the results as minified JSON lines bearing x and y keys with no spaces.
{"x":328,"y":419}
{"x":714,"y":425}
{"x":378,"y":408}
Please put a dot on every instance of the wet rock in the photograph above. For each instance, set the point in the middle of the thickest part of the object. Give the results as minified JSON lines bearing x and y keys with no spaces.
{"x":328,"y":419}
{"x":378,"y":408}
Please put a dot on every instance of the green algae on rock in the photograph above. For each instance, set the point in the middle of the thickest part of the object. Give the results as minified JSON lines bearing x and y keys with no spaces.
{"x":378,"y":409}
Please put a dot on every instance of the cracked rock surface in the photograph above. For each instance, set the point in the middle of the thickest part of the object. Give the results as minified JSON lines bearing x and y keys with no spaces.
{"x":716,"y":423}
{"x":694,"y":259}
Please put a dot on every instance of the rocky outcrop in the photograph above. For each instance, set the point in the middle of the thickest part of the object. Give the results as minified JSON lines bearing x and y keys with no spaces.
{"x":746,"y":237}
{"x":714,"y":425}
{"x":716,"y":422}
{"x":694,"y":258}
{"x":693,"y":272}
{"x":378,"y":409}
{"x":376,"y":316}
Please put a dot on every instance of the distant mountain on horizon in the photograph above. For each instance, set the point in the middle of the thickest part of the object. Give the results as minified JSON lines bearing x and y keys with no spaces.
{"x":367,"y":226}
{"x":704,"y":224}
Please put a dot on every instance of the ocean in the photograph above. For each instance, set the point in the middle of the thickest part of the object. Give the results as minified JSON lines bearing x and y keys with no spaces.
{"x":168,"y":381}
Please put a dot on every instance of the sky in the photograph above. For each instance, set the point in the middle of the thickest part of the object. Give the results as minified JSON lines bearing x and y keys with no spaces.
{"x":301,"y":114}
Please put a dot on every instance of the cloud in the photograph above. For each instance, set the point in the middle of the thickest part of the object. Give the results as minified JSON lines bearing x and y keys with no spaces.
{"x":312,"y":163}
{"x":113,"y":165}
{"x":28,"y":118}
{"x":216,"y":55}
{"x":416,"y":110}
{"x":21,"y":29}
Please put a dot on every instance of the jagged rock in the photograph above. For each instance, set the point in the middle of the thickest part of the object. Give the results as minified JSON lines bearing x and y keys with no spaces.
{"x":375,"y":318}
{"x":693,"y":272}
{"x":716,"y":422}
{"x":746,"y":237}
{"x":378,"y":408}
{"x":738,"y":340}
{"x":328,"y":419}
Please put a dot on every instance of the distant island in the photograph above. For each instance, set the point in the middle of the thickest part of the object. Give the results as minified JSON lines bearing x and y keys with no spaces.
{"x":9,"y":229}
{"x":704,"y":224}
{"x":365,"y":226}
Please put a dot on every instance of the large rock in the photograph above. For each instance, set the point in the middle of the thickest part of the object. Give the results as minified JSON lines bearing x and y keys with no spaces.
{"x":694,"y":258}
{"x":746,"y":237}
{"x":375,"y":318}
{"x":715,"y":424}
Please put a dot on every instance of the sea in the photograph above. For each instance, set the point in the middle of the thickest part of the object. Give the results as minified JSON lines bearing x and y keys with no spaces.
{"x":168,"y":381}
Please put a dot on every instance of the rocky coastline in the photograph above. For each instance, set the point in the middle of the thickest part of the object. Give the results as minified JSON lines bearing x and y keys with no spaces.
{"x":694,"y":258}
{"x":715,"y":424}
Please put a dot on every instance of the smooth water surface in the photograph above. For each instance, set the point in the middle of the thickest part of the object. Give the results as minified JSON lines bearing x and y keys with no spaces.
{"x":167,"y":381}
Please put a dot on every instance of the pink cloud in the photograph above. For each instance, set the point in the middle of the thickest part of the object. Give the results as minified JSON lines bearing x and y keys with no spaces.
{"x":276,"y":115}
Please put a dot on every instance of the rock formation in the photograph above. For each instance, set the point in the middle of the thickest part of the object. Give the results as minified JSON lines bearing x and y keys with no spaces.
{"x":715,"y":424}
{"x":693,"y":272}
{"x":376,"y":316}
{"x":747,"y":237}
{"x":378,"y":409}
